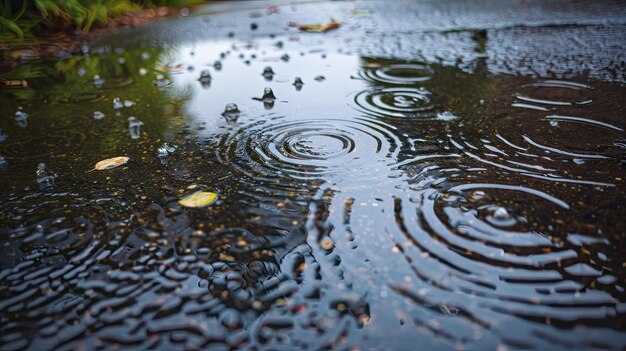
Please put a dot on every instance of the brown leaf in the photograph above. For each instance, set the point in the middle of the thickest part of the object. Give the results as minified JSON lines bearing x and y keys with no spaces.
{"x":14,"y":83}
{"x":110,"y":163}
{"x":333,"y":24}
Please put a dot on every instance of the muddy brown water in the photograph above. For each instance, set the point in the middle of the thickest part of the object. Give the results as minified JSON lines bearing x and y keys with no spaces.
{"x":389,"y":204}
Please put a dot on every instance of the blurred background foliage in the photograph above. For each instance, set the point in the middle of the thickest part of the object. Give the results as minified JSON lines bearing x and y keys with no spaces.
{"x":21,"y":18}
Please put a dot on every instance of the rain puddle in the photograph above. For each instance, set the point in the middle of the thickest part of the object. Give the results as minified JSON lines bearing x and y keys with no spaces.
{"x":361,"y":202}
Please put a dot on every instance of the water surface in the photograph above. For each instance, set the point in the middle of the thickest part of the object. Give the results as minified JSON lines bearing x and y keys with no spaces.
{"x":383,"y":203}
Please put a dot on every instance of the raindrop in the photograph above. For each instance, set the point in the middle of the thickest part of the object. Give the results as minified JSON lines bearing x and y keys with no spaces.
{"x":205,"y":78}
{"x":98,"y":115}
{"x":268,"y":73}
{"x":21,"y":117}
{"x":231,"y":113}
{"x":166,"y":150}
{"x":97,"y":81}
{"x":117,"y":104}
{"x":134,"y":127}
{"x":44,"y":176}
{"x":268,"y":95}
{"x":298,"y":83}
{"x":501,"y":214}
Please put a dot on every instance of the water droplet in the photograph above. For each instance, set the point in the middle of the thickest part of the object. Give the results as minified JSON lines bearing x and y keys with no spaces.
{"x":165,"y":150}
{"x":44,"y":176}
{"x":231,"y":113}
{"x":97,"y":115}
{"x":21,"y":117}
{"x":97,"y":81}
{"x":117,"y":104}
{"x":268,"y":73}
{"x":134,"y":127}
{"x":501,"y":214}
{"x":205,"y":76}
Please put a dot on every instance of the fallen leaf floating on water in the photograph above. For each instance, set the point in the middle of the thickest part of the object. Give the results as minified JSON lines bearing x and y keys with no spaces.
{"x":198,"y":199}
{"x":110,"y":163}
{"x":14,"y":83}
{"x":333,"y":24}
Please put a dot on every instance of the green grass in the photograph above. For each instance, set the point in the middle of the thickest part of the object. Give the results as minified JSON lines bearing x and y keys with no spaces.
{"x":19,"y":18}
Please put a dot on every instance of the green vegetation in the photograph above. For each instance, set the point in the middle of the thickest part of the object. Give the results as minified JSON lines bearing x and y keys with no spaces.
{"x":20,"y":18}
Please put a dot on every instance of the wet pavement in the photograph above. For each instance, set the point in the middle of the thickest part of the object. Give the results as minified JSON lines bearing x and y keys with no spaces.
{"x":430,"y":173}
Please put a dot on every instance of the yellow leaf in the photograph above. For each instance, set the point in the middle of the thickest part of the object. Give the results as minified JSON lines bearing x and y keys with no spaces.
{"x":319,"y":27}
{"x":198,"y":199}
{"x":110,"y":163}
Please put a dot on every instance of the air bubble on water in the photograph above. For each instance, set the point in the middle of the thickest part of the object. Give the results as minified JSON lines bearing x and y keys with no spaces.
{"x":97,"y":115}
{"x":117,"y":104}
{"x":134,"y":127}
{"x":21,"y":117}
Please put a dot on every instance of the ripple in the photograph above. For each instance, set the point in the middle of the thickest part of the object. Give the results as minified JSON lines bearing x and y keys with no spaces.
{"x":311,"y":149}
{"x":556,"y":93}
{"x":400,"y":73}
{"x":476,"y":245}
{"x":395,"y":102}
